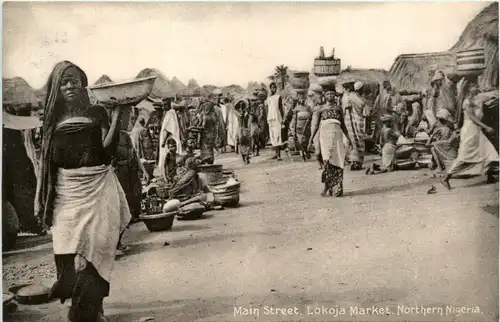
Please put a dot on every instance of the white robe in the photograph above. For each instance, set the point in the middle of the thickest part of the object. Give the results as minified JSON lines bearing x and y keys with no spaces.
{"x":233,"y":126}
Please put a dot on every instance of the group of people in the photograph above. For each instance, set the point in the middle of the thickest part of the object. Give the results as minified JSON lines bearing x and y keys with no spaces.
{"x":90,"y":165}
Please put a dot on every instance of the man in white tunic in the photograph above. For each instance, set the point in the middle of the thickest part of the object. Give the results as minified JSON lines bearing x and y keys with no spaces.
{"x":275,"y":113}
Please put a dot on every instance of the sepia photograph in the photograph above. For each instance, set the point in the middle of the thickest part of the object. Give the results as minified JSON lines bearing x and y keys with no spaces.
{"x":250,"y":161}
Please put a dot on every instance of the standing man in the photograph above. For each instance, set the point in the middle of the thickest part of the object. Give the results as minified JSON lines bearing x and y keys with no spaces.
{"x":275,"y":113}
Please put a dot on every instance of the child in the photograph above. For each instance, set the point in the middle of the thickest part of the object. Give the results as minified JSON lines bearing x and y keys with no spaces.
{"x":254,"y":134}
{"x":170,"y":161}
{"x":245,"y":144}
{"x":388,"y":141}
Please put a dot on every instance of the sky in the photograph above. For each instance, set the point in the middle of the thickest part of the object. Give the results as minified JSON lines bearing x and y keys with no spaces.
{"x":220,"y":43}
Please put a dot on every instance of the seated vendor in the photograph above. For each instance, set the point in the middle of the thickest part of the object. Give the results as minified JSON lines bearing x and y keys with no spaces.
{"x":388,"y":141}
{"x":187,"y":186}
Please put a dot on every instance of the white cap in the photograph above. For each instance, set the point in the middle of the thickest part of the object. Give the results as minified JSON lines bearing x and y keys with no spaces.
{"x":358,"y":85}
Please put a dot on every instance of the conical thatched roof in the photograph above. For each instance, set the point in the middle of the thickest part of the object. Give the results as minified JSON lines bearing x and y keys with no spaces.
{"x":192,"y":88}
{"x":176,"y":85}
{"x":233,"y":89}
{"x":162,"y":86}
{"x":413,"y":72}
{"x":16,"y":91}
{"x":206,"y":90}
{"x":482,"y":32}
{"x":482,"y":28}
{"x":104,"y":79}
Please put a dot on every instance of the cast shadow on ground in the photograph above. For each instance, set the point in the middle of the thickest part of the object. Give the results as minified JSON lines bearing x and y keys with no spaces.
{"x":400,"y":188}
{"x":147,"y":247}
{"x":492,"y":210}
{"x":23,"y":242}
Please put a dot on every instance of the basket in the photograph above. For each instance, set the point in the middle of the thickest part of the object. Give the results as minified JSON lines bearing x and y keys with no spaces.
{"x":326,"y":66}
{"x":124,"y":93}
{"x":470,"y":60}
{"x":159,"y":222}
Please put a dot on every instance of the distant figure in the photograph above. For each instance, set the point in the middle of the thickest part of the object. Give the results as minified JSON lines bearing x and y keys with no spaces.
{"x":317,"y":99}
{"x":142,"y":141}
{"x":209,"y":125}
{"x":254,"y":133}
{"x":388,"y":141}
{"x":301,"y":125}
{"x":275,"y":118}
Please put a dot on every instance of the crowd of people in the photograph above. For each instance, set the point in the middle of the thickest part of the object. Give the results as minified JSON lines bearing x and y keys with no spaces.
{"x":94,"y":157}
{"x":440,"y":116}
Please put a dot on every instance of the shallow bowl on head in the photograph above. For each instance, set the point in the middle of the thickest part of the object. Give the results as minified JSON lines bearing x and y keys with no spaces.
{"x":124,"y":93}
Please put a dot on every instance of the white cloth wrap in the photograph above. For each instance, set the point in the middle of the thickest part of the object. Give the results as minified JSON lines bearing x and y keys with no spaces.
{"x":332,"y":143}
{"x":90,"y":212}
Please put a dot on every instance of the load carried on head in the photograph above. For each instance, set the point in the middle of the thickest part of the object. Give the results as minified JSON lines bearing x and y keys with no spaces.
{"x":326,"y":66}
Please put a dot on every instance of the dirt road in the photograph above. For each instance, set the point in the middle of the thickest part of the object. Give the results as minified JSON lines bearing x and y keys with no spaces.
{"x":289,"y":254}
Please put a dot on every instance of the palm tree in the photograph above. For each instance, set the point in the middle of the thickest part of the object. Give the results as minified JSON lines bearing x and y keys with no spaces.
{"x":281,"y":75}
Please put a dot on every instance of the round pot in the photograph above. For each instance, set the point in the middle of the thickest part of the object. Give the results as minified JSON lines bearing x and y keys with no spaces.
{"x":159,"y":222}
{"x":406,"y":165}
{"x":227,"y":195}
{"x":404,"y":152}
{"x":33,"y":294}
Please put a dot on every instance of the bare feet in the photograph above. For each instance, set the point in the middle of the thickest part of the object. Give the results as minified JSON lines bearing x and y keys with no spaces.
{"x":446,"y":183}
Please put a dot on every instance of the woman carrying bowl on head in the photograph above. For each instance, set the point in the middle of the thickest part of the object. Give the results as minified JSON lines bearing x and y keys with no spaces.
{"x":301,"y":124}
{"x":331,"y":130}
{"x":78,"y":193}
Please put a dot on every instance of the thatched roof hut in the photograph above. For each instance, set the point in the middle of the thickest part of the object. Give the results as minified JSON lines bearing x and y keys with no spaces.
{"x":104,"y":79}
{"x":413,"y":72}
{"x":17,"y":92}
{"x":482,"y":32}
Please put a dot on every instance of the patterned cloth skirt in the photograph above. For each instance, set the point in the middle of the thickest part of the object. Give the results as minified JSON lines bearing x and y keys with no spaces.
{"x":333,"y":178}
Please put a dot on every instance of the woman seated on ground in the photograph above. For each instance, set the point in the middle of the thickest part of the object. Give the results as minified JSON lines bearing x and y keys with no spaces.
{"x":187,"y":187}
{"x":388,"y":141}
{"x":444,"y":142}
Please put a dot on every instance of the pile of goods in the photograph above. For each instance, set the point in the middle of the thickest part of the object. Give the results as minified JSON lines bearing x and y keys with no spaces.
{"x":424,"y":158}
{"x":222,"y":183}
{"x":326,"y":66}
{"x":157,"y":213}
{"x":413,"y":152}
{"x":405,"y":154}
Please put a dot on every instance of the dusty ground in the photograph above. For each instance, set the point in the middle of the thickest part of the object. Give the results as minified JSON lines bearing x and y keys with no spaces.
{"x":386,"y":243}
